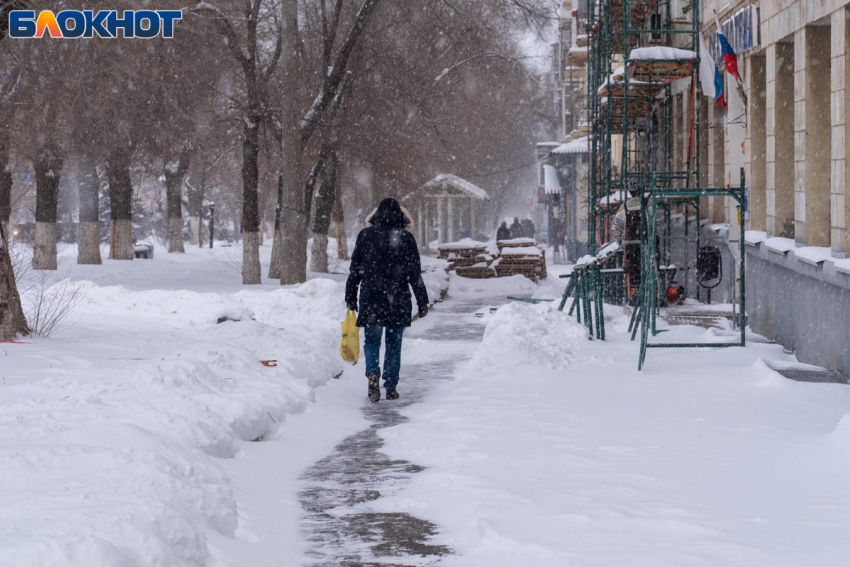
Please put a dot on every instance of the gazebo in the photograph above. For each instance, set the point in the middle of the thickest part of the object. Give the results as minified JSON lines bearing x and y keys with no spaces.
{"x":454,"y":202}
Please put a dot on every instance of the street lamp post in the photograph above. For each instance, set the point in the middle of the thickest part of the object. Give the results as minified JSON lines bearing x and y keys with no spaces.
{"x":212,"y":223}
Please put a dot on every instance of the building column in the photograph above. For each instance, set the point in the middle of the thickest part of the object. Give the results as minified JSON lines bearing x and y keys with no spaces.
{"x":770,"y":90}
{"x":442,"y":219}
{"x":838,"y":105}
{"x":754,"y":145}
{"x":453,"y":219}
{"x":421,"y":228}
{"x":473,"y":218}
{"x":811,"y":144}
{"x":780,"y":146}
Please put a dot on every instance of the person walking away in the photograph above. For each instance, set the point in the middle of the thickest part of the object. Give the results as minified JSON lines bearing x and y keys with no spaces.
{"x":503,"y":233}
{"x":516,"y":229}
{"x":384,"y":267}
{"x":528,"y":229}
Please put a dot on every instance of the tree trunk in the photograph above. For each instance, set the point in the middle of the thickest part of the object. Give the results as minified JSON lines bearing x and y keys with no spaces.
{"x":274,"y":264}
{"x":88,"y":230}
{"x":251,"y":270}
{"x":339,"y":221}
{"x":12,"y":320}
{"x":293,"y":257}
{"x":120,"y":205}
{"x":195,"y":201}
{"x":5,"y":176}
{"x":175,"y":172}
{"x":48,"y":171}
{"x":325,"y":200}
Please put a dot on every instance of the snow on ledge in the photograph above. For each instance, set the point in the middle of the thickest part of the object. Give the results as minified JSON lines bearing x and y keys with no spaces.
{"x":660,"y":52}
{"x":780,"y":245}
{"x":754,"y":237}
{"x":814,"y":255}
{"x":843,"y":266}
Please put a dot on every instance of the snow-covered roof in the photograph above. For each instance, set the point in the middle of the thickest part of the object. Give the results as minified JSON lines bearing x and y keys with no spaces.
{"x":661,"y":52}
{"x":578,"y":146}
{"x":447,"y":179}
{"x":550,"y":178}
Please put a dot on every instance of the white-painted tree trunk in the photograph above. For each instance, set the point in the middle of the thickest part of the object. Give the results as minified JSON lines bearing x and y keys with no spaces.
{"x":175,"y":235}
{"x":194,"y":225}
{"x":319,"y":254}
{"x":44,"y":256}
{"x":276,"y":260}
{"x":251,"y":270}
{"x":122,"y":240}
{"x":88,"y":243}
{"x":341,"y":241}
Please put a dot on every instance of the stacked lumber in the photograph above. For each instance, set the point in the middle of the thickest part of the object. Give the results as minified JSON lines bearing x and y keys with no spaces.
{"x":478,"y":271}
{"x":464,"y":254}
{"x":521,"y":256}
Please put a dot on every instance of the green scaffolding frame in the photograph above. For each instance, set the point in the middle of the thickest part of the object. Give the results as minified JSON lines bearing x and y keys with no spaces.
{"x":618,"y":27}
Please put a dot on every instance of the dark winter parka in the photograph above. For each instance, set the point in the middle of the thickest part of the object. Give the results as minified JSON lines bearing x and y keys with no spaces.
{"x":516,"y":229}
{"x":384,"y":266}
{"x":504,"y":233}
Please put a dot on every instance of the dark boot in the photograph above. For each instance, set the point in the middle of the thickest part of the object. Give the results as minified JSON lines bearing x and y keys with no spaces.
{"x":374,"y":388}
{"x":392,"y":394}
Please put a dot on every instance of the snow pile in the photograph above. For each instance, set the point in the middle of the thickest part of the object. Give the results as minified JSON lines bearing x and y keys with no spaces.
{"x":116,"y":436}
{"x":518,"y":332}
{"x":552,"y":450}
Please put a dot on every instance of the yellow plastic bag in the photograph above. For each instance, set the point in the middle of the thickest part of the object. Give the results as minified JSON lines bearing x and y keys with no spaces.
{"x":349,"y":348}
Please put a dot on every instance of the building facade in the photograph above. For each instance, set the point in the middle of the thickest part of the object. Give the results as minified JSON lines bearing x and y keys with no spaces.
{"x":785,"y":129}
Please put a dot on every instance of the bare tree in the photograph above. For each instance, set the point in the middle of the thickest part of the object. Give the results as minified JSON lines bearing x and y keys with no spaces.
{"x":88,"y":231}
{"x":12,"y":319}
{"x":175,"y":173}
{"x":298,"y":129}
{"x":243,"y":35}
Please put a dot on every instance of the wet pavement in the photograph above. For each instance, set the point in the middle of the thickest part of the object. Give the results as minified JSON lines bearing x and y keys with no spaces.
{"x":340,"y":526}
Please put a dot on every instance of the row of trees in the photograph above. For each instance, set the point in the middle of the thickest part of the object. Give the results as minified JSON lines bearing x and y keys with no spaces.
{"x":282,"y":102}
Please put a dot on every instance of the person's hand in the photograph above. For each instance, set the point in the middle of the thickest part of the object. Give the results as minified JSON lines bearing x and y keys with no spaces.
{"x":423,"y":310}
{"x":352,"y":307}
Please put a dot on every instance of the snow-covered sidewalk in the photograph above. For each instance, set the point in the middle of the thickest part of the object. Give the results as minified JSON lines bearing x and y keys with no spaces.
{"x":149,"y":433}
{"x":550,"y":449}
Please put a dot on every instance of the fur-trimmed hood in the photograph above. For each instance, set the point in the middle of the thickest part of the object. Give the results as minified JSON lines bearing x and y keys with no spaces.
{"x":387,"y":214}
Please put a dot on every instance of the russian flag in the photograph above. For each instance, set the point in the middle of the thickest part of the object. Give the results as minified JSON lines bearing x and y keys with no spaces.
{"x":729,"y":55}
{"x":709,"y":74}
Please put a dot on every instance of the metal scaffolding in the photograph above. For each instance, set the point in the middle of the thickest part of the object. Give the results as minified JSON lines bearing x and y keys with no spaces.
{"x":638,"y":50}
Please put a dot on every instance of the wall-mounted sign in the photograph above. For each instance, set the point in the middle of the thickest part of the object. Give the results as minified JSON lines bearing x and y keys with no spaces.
{"x":742,"y":31}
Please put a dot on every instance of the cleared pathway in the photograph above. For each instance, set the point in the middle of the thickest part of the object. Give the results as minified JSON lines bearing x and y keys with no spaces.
{"x":339,"y":523}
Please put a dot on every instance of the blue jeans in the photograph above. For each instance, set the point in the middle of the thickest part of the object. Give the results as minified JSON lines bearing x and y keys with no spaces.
{"x":392,"y":356}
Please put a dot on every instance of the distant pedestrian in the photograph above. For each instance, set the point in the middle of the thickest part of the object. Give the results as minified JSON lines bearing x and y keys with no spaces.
{"x":528,"y":229}
{"x":516,"y":229}
{"x":503,"y":233}
{"x":384,"y":266}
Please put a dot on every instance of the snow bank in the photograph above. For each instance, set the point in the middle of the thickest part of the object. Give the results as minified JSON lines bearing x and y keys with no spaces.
{"x":115,"y":436}
{"x":551,"y":450}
